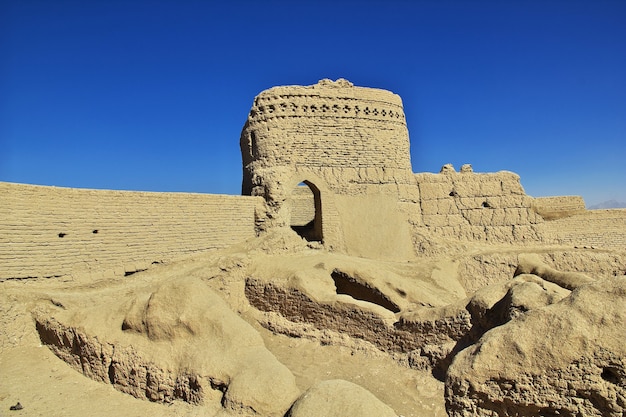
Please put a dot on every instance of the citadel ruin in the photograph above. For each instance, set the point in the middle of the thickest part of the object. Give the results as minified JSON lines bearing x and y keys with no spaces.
{"x":514,"y":302}
{"x":332,"y":160}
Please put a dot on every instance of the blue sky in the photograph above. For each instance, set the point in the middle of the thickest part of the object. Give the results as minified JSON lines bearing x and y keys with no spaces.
{"x":152,"y":95}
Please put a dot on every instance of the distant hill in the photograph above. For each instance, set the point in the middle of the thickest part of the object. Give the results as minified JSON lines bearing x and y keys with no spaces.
{"x":611,"y":204}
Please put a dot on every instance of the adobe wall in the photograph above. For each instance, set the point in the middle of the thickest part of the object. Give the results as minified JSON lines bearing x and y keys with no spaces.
{"x":560,"y":206}
{"x":600,"y":229}
{"x":302,"y":206}
{"x":348,"y":136}
{"x":488,"y":207}
{"x":349,"y":143}
{"x":494,"y":208}
{"x":59,"y":232}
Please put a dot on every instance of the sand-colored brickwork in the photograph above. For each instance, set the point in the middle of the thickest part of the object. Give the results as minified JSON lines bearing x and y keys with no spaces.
{"x":557,"y":207}
{"x":602,"y":229}
{"x":56,"y":232}
{"x":349,"y":136}
{"x":350,"y":145}
{"x":303,"y":206}
{"x":489,"y":207}
{"x":332,"y":161}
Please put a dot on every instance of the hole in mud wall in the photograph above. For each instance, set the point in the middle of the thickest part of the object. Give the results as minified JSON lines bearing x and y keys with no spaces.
{"x":128,"y":273}
{"x":612,"y":375}
{"x":94,"y":231}
{"x":306,"y":211}
{"x":252,"y":143}
{"x":348,"y":285}
{"x":62,"y":234}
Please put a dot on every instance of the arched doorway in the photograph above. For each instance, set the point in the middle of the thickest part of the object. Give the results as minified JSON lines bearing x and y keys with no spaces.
{"x":306,"y":211}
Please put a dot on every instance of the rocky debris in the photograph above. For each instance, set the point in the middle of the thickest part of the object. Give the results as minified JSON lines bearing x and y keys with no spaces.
{"x":126,"y":368}
{"x":567,"y":358}
{"x":16,"y":407}
{"x":463,"y":323}
{"x":178,"y":342}
{"x":497,"y":304}
{"x":326,"y":82}
{"x":478,"y":271}
{"x":175,"y":339}
{"x":339,"y":398}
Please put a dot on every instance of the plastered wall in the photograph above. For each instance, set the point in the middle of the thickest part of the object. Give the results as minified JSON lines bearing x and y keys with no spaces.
{"x":57,"y":232}
{"x":302,"y":206}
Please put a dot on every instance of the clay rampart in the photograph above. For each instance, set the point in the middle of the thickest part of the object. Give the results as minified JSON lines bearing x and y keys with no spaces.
{"x":488,"y":207}
{"x":559,"y":206}
{"x":59,"y":232}
{"x":601,"y":229}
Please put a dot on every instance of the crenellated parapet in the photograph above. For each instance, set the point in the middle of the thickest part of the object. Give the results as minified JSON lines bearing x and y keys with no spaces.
{"x":333,"y":130}
{"x":327,"y":99}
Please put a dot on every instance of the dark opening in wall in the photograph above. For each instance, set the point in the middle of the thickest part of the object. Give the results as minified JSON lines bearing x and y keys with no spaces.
{"x":613,"y":375}
{"x":252,"y":143}
{"x":486,"y":204}
{"x":128,"y":273}
{"x":94,"y":231}
{"x":348,"y":285}
{"x":62,"y":234}
{"x":306,"y":211}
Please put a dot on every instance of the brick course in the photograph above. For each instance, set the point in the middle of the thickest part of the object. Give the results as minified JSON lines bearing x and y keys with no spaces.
{"x":602,"y":229}
{"x":56,"y":232}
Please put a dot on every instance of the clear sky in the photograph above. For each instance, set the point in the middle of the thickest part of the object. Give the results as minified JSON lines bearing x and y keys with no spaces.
{"x":152,"y":95}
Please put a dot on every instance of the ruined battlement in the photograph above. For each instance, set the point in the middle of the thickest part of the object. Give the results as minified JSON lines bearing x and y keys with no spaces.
{"x":489,"y":207}
{"x":327,"y":99}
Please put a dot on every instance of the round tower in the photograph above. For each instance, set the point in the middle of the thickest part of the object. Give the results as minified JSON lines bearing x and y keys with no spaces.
{"x":344,"y":134}
{"x":332,"y":139}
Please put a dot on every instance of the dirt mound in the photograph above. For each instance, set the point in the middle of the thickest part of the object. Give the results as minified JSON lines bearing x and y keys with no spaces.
{"x":179,"y":341}
{"x":337,"y":398}
{"x":248,"y":329}
{"x":567,"y":358}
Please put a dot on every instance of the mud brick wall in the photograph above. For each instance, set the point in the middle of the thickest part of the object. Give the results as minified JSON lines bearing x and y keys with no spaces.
{"x":602,"y":229}
{"x":302,"y":206}
{"x":347,"y":143}
{"x":488,"y":207}
{"x":58,"y":232}
{"x":557,"y":207}
{"x":348,"y":136}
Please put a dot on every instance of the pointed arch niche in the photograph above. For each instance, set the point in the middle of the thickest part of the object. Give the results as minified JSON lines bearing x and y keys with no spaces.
{"x":306,"y":211}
